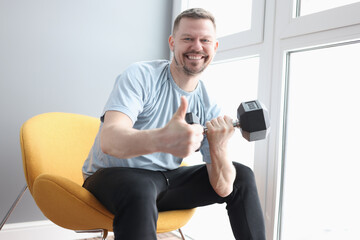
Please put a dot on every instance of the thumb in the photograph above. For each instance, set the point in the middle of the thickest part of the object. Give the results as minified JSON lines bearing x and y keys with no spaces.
{"x":181,"y":112}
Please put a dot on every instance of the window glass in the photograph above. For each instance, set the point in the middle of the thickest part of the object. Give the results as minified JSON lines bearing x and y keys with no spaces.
{"x":321,"y":193}
{"x":305,"y":7}
{"x":230,"y":83}
{"x":232,"y":17}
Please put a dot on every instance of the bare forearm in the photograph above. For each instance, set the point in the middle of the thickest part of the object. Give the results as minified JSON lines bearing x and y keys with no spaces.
{"x":221,"y":173}
{"x":221,"y":170}
{"x":129,"y":142}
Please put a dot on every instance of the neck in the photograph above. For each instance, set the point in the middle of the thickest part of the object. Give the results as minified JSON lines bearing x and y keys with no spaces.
{"x":184,"y":81}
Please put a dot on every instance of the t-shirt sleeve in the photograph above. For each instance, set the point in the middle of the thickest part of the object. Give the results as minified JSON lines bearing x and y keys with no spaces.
{"x":128,"y":95}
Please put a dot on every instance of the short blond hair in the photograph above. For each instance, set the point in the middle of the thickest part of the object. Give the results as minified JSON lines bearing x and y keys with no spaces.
{"x":195,"y":13}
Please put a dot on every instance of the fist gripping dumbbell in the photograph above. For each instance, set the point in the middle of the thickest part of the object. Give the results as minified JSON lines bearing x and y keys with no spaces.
{"x":253,"y":120}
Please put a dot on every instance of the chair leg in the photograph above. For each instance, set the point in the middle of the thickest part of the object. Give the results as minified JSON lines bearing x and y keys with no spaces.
{"x":181,"y":233}
{"x":13,"y":206}
{"x":104,"y":234}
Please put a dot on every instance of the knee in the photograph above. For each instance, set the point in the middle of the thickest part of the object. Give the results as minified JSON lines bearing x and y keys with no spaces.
{"x":244,"y":176}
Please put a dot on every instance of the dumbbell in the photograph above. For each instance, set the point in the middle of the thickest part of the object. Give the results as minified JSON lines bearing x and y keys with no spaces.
{"x":253,"y":120}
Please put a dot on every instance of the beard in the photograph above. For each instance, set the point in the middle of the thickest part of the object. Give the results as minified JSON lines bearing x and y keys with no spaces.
{"x":191,"y":70}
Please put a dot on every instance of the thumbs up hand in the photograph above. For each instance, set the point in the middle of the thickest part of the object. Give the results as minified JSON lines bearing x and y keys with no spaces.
{"x":180,"y":138}
{"x":181,"y":112}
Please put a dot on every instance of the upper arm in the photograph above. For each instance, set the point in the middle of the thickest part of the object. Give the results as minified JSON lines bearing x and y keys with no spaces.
{"x":118,"y":119}
{"x":119,"y":139}
{"x":115,"y":123}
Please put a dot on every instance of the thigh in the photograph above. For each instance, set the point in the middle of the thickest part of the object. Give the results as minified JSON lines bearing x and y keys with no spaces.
{"x":115,"y":186}
{"x":189,"y":187}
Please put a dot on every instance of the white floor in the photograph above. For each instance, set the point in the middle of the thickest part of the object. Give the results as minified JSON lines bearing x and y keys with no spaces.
{"x":45,"y":230}
{"x":209,"y":222}
{"x":41,"y":230}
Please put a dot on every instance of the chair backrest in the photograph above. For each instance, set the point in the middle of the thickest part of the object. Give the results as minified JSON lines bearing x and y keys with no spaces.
{"x":56,"y":143}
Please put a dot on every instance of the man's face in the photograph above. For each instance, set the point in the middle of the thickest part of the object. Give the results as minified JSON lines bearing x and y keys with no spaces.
{"x":194,"y":45}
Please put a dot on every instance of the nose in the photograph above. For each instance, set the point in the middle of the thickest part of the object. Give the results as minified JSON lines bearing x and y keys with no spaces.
{"x":197,"y":45}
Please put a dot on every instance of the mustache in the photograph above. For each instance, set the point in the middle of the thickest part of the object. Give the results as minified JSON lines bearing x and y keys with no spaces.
{"x":197,"y":52}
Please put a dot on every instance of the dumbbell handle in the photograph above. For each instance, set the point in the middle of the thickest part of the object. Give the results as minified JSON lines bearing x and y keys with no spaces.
{"x":236,"y":124}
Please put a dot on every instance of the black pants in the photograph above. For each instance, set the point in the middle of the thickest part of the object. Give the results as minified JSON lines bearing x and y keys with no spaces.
{"x":135,"y":196}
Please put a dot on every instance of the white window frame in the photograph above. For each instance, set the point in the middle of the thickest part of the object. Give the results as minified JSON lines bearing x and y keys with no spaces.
{"x":292,"y":34}
{"x":292,"y":26}
{"x":281,"y":32}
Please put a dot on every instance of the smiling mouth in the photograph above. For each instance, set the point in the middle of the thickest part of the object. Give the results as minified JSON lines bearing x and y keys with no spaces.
{"x":195,"y":55}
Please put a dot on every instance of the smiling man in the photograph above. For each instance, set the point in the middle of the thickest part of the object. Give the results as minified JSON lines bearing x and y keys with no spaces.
{"x":193,"y":49}
{"x":134,"y":168}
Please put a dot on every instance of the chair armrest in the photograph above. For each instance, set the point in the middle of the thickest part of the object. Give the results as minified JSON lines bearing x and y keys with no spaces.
{"x":69,"y":205}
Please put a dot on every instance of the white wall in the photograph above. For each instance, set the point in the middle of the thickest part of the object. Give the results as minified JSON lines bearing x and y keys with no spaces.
{"x":64,"y":55}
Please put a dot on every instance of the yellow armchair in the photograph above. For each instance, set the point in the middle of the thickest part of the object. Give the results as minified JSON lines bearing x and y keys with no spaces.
{"x":54,"y":147}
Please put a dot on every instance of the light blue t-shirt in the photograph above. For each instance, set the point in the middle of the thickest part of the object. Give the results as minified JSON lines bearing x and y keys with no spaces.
{"x":147,"y":93}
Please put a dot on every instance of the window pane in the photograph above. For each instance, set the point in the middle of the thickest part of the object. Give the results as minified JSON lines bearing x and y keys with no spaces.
{"x":232,"y":16}
{"x":321,"y":193}
{"x":229,"y":84}
{"x":306,"y":7}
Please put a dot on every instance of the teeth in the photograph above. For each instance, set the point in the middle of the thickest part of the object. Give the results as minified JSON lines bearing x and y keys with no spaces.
{"x":194,"y":57}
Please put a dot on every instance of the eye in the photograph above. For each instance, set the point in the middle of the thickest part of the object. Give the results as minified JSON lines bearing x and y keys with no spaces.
{"x":187,"y":39}
{"x":205,"y":40}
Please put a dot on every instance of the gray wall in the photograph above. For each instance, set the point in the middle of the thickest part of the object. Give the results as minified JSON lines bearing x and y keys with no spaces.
{"x":64,"y":55}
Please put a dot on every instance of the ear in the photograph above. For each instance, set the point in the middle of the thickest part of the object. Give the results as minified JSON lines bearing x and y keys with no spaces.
{"x":216,"y":46}
{"x":171,"y":43}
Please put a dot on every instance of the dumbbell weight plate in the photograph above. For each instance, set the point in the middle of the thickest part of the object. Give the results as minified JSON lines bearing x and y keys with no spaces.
{"x":254,"y":120}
